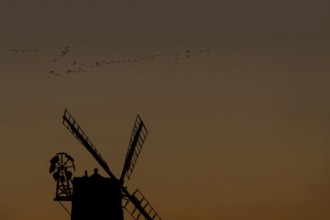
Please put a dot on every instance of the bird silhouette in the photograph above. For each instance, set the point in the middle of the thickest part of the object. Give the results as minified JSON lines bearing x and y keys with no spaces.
{"x":54,"y":73}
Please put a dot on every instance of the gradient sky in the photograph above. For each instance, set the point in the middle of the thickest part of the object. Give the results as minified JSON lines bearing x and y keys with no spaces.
{"x":239,"y":132}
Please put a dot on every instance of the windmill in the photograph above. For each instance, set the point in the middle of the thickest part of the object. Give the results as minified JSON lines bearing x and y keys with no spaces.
{"x":96,"y":197}
{"x":62,"y":168}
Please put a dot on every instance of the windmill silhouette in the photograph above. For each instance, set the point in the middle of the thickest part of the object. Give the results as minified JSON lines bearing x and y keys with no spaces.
{"x":97,"y":197}
{"x":62,"y":168}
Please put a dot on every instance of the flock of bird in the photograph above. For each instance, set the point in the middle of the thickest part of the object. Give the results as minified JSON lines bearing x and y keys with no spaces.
{"x":63,"y":53}
{"x":79,"y":67}
{"x":24,"y":51}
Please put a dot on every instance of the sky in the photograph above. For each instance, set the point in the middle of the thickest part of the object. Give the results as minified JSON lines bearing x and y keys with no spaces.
{"x":235,"y":96}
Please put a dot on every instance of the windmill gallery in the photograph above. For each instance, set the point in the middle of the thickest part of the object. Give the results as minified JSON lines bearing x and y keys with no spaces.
{"x":97,"y":197}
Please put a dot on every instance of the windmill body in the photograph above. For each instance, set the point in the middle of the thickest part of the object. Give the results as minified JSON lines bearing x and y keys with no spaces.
{"x":97,"y":197}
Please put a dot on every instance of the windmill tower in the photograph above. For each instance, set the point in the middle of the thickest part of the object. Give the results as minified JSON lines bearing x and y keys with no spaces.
{"x":97,"y":197}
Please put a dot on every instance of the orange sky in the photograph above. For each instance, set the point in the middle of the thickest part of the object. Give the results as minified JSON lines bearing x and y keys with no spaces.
{"x":237,"y":132}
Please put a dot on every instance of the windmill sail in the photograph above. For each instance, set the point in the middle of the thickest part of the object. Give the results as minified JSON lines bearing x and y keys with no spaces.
{"x":74,"y":128}
{"x":138,"y":206}
{"x":138,"y":137}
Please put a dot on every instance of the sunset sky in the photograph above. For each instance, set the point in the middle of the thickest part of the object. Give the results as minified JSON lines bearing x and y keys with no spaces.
{"x":235,"y":95}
